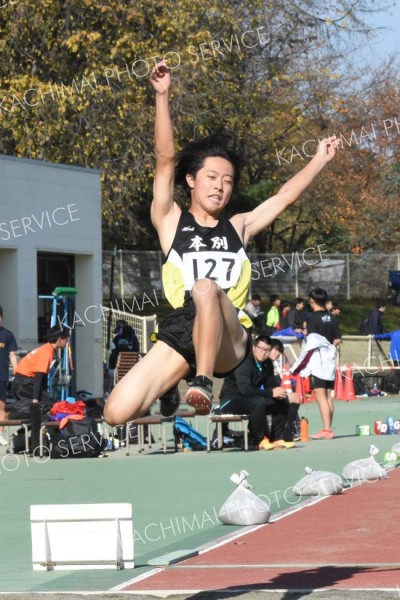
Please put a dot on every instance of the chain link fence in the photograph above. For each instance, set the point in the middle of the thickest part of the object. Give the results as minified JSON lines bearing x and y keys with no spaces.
{"x":137,"y":275}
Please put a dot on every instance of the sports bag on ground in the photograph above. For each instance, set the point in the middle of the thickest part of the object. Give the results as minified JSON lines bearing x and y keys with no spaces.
{"x":78,"y":439}
{"x":187,"y":437}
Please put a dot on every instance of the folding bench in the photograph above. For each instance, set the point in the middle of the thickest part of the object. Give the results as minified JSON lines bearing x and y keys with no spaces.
{"x":7,"y":423}
{"x":149,"y":421}
{"x":219,"y":420}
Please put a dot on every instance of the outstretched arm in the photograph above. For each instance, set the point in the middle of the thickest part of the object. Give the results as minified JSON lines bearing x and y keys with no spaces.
{"x":164,"y":211}
{"x":250,"y":224}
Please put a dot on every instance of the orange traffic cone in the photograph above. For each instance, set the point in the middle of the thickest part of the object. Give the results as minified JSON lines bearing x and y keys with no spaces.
{"x":300,"y":388}
{"x":348,"y":390}
{"x":306,"y":385}
{"x":338,"y":389}
{"x":286,"y":383}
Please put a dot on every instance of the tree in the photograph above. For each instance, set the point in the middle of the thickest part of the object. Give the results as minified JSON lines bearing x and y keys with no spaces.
{"x":74,"y":89}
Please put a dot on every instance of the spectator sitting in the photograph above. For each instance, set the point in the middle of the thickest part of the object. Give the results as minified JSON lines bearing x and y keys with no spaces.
{"x":277,"y":350}
{"x":336,"y":310}
{"x":251,"y":389}
{"x":375,"y":322}
{"x":295,"y":316}
{"x":254,"y":311}
{"x":285,"y":309}
{"x":125,"y":341}
{"x":272,"y":322}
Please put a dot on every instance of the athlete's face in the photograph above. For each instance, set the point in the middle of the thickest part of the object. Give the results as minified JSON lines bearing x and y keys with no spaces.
{"x":213,"y":184}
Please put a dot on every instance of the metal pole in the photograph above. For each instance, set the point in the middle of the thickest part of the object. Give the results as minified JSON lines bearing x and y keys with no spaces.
{"x":348,"y":276}
{"x":121,"y":275}
{"x":110,"y":298}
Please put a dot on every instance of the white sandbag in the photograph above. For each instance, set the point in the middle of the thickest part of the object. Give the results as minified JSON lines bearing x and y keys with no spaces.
{"x":243,"y":507}
{"x":365,"y":469}
{"x":318,"y":483}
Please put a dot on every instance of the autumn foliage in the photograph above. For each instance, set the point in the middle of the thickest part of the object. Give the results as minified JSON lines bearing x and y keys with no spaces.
{"x":74,"y":89}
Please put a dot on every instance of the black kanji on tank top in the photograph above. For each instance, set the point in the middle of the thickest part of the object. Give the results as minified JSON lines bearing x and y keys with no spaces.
{"x":199,"y":252}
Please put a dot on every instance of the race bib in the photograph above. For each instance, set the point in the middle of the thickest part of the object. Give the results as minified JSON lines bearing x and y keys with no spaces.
{"x":222,"y":267}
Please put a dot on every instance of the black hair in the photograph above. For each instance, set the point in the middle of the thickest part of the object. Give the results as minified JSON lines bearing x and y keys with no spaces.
{"x":263,"y":338}
{"x":278,"y":345}
{"x":57,"y":332}
{"x":256,"y":297}
{"x":319,"y":296}
{"x":335,"y":306}
{"x":121,"y":322}
{"x":273,"y":298}
{"x":380,"y":303}
{"x":297,"y":301}
{"x":191,"y":158}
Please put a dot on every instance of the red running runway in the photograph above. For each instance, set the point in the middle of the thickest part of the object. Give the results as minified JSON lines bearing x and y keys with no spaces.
{"x":347,"y":541}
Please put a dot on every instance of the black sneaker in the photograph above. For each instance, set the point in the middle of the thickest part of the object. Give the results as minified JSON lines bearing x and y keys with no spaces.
{"x":169,"y":402}
{"x":200,"y":394}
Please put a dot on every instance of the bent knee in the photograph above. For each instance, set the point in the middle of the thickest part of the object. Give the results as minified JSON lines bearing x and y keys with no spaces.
{"x":119,"y":409}
{"x":259,"y":402}
{"x":205,"y":288}
{"x":294,"y":398}
{"x":111,"y":415}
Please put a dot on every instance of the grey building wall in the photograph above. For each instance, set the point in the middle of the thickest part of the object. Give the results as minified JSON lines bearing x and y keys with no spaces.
{"x":54,"y":209}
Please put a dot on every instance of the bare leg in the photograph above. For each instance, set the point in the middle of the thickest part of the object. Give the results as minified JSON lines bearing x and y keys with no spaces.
{"x":219,"y":339}
{"x":152,"y":376}
{"x":2,"y":413}
{"x":294,"y":398}
{"x":2,"y":418}
{"x":321,"y":396}
{"x":329,"y":399}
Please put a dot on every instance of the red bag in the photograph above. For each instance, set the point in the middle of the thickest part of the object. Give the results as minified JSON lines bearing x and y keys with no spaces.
{"x":68,"y":408}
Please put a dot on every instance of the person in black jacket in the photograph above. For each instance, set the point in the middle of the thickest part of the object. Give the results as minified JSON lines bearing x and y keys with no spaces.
{"x":375,"y":323}
{"x":125,"y":341}
{"x":295,"y":316}
{"x":253,"y":389}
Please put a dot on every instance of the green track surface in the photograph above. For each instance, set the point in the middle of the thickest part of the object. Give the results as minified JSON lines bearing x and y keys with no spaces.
{"x":175,"y":497}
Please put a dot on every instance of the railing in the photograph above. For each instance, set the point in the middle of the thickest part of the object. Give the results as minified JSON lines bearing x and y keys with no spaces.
{"x":361,"y":352}
{"x":143,"y":326}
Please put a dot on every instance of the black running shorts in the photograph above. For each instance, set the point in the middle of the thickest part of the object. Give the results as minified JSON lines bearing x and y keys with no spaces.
{"x":317,"y":383}
{"x":176,"y":330}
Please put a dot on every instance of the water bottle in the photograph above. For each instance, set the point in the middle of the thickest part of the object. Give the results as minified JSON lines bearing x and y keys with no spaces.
{"x":110,"y":443}
{"x":303,"y":429}
{"x":377,"y":427}
{"x":390,"y":425}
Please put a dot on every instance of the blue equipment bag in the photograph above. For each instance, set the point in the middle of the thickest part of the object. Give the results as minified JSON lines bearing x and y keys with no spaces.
{"x":187,"y":437}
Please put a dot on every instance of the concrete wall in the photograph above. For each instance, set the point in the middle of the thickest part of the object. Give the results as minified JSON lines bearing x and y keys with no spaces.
{"x":51,"y":208}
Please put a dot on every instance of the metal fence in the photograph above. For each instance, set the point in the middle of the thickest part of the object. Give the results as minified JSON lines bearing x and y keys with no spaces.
{"x":137,"y":275}
{"x":362,"y":352}
{"x":143,"y":326}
